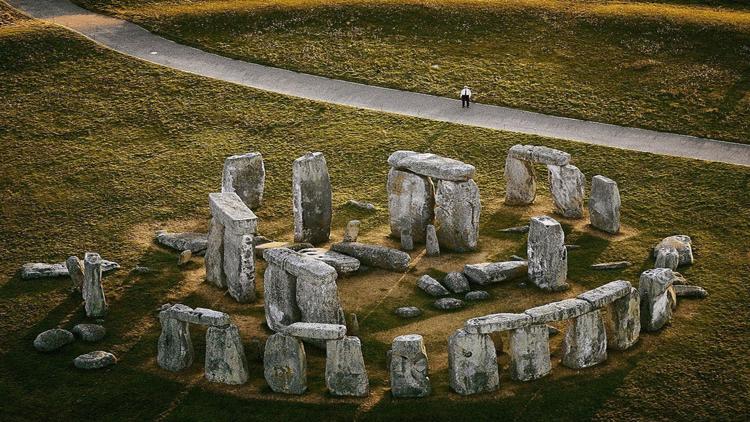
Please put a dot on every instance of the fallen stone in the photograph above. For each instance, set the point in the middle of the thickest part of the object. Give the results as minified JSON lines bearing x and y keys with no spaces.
{"x":285,"y":364}
{"x":408,"y":312}
{"x":311,"y":194}
{"x":558,"y":311}
{"x":225,"y":356}
{"x":518,"y":229}
{"x":472,"y":363}
{"x":95,"y":360}
{"x":351,"y":233}
{"x":448,"y":304}
{"x":194,"y":242}
{"x":604,"y":204}
{"x":345,"y":368}
{"x":624,"y":321}
{"x":539,"y":154}
{"x":409,"y":367}
{"x":229,"y":210}
{"x":529,"y":352}
{"x":496,"y":322}
{"x":431,"y":286}
{"x":51,"y":340}
{"x":407,"y":241}
{"x":432,"y":165}
{"x":611,"y":265}
{"x":548,"y":257}
{"x":175,"y":349}
{"x":316,"y":331}
{"x":138,"y":269}
{"x":411,"y":203}
{"x":457,"y":211}
{"x":585,"y":342}
{"x":432,"y":245}
{"x":343,"y":264}
{"x":606,"y":294}
{"x":37,"y":270}
{"x":375,"y":255}
{"x":95,"y":303}
{"x":477,"y":295}
{"x":684,"y":290}
{"x":674,"y":251}
{"x":75,"y":269}
{"x":360,"y":205}
{"x":520,"y":181}
{"x":495,"y":272}
{"x":89,"y":332}
{"x":656,"y":304}
{"x":456,"y":282}
{"x":567,"y":189}
{"x":245,"y":175}
{"x":185,"y":257}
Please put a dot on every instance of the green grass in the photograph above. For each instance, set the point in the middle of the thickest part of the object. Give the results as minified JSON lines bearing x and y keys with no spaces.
{"x":99,"y":150}
{"x":677,"y":68}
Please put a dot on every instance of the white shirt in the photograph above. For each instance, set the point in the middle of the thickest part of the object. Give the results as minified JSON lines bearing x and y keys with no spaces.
{"x":466,"y":91}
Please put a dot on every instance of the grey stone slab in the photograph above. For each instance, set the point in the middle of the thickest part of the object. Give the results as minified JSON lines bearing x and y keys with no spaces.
{"x":520,"y":182}
{"x":559,"y":311}
{"x":495,"y":272}
{"x":280,"y":297}
{"x":316,"y":331}
{"x":685,"y":290}
{"x":624,"y":321}
{"x":432,"y":165}
{"x":214,"y":259}
{"x":567,"y":185}
{"x":343,"y":264}
{"x":201,"y":316}
{"x":539,"y":154}
{"x":408,"y":312}
{"x":95,"y":360}
{"x":616,"y":265}
{"x":345,"y":368}
{"x":232,"y":213}
{"x":311,"y":197}
{"x":477,"y":295}
{"x":547,"y":255}
{"x":239,"y":266}
{"x":51,"y":340}
{"x":225,"y":356}
{"x":192,"y":241}
{"x":448,"y":304}
{"x":245,"y":175}
{"x":175,"y":349}
{"x":529,"y":352}
{"x":456,"y":282}
{"x":472,"y":363}
{"x":457,"y":211}
{"x":375,"y":255}
{"x":673,"y":252}
{"x":585,"y":342}
{"x":431,"y":286}
{"x":604,"y":204}
{"x":94,"y":300}
{"x":285,"y":364}
{"x":607,"y":293}
{"x":496,"y":322}
{"x":411,"y":203}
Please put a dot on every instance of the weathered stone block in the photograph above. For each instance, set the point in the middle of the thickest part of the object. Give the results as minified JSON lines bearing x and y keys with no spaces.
{"x":520,"y":182}
{"x":567,"y":187}
{"x":375,"y":255}
{"x":187,"y":241}
{"x":585,"y":342}
{"x":559,"y":311}
{"x":679,"y":245}
{"x":409,"y":367}
{"x":239,"y":266}
{"x":343,"y":264}
{"x":432,"y":165}
{"x":316,"y":331}
{"x":245,"y":175}
{"x":495,"y":272}
{"x":93,"y":292}
{"x":456,"y":282}
{"x":351,"y":233}
{"x":175,"y":349}
{"x":496,"y":322}
{"x":547,"y":255}
{"x":656,"y":303}
{"x":431,"y":286}
{"x":472,"y":363}
{"x":624,"y":321}
{"x":285,"y":364}
{"x":229,"y":210}
{"x":225,"y":356}
{"x":411,"y":203}
{"x":311,"y":194}
{"x":457,"y":210}
{"x":529,"y":352}
{"x":345,"y":368}
{"x":539,"y":154}
{"x":604,"y":204}
{"x":280,"y":297}
{"x":607,"y":293}
{"x":214,"y":259}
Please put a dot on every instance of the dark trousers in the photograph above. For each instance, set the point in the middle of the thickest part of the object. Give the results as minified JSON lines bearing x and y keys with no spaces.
{"x":464,"y":101}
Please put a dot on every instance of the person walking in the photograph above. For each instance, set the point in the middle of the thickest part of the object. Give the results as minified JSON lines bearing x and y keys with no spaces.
{"x":465,"y":97}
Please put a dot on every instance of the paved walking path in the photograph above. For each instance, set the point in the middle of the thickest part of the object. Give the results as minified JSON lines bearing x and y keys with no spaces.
{"x":130,"y":39}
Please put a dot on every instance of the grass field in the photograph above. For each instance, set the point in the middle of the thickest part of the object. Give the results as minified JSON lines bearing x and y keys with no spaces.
{"x":100,"y":150}
{"x":682,"y":68}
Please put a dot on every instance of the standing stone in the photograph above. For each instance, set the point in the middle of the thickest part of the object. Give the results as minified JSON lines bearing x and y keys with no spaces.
{"x":311,"y":193}
{"x":520,"y":182}
{"x":567,"y":186}
{"x":175,"y":350}
{"x":245,"y":175}
{"x":225,"y":356}
{"x":472,"y":363}
{"x":411,"y":203}
{"x":407,"y":241}
{"x":655,"y":289}
{"x":674,"y":251}
{"x":318,"y":300}
{"x":75,"y":271}
{"x":604,"y":204}
{"x":431,"y":241}
{"x":548,"y":257}
{"x":280,"y":297}
{"x":239,"y":266}
{"x":285,"y":364}
{"x":89,"y":332}
{"x":345,"y":368}
{"x":529,"y":352}
{"x":351,"y":233}
{"x":409,"y":367}
{"x":457,"y":215}
{"x":624,"y":321}
{"x":585,"y":342}
{"x":93,"y":292}
{"x":214,"y":259}
{"x":353,"y":328}
{"x":456,"y":282}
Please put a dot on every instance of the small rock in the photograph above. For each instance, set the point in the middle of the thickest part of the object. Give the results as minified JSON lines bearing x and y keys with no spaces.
{"x":448,"y":303}
{"x":53,"y":339}
{"x":140,"y":270}
{"x":522,"y":285}
{"x":685,"y":290}
{"x":95,"y":360}
{"x":611,"y":265}
{"x":185,"y":257}
{"x":435,"y":66}
{"x":477,"y":295}
{"x":431,"y":286}
{"x":195,"y":242}
{"x":518,"y":229}
{"x":552,"y":331}
{"x":360,"y":205}
{"x":408,"y":312}
{"x":89,"y":332}
{"x":431,"y":241}
{"x":456,"y":282}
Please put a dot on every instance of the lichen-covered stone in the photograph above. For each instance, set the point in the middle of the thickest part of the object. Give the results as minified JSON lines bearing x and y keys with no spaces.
{"x":432,"y":165}
{"x":175,"y":349}
{"x":529,"y":352}
{"x":280,"y":297}
{"x":285,"y":364}
{"x":624,"y":321}
{"x":496,"y":322}
{"x":432,"y":245}
{"x":351,"y":233}
{"x":567,"y":188}
{"x":345,"y":368}
{"x":75,"y":271}
{"x":431,"y":286}
{"x":448,"y":304}
{"x":214,"y":258}
{"x":225,"y":356}
{"x":673,"y":252}
{"x":343,"y":264}
{"x":457,"y":211}
{"x":409,"y":367}
{"x":245,"y":175}
{"x":311,"y":194}
{"x":585,"y":342}
{"x":547,"y":255}
{"x":472,"y":363}
{"x":36,"y":270}
{"x":51,"y":340}
{"x":411,"y":203}
{"x":520,"y":182}
{"x":375,"y":255}
{"x":194,"y":242}
{"x":607,"y":293}
{"x":656,"y":304}
{"x":89,"y":332}
{"x":456,"y":282}
{"x":316,"y":331}
{"x":495,"y":272}
{"x":604,"y":204}
{"x":94,"y":360}
{"x":93,"y":293}
{"x":408,"y":312}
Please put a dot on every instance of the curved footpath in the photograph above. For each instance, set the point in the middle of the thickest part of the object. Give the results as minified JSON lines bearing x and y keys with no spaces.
{"x":131,"y":39}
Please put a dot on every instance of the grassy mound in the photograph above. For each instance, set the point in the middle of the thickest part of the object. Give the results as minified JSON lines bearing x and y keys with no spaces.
{"x":100,"y":150}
